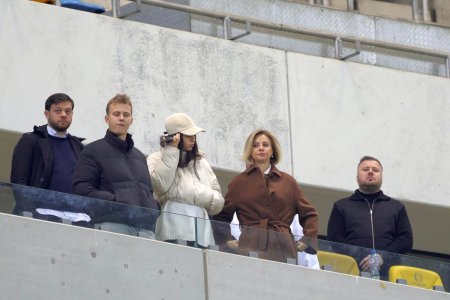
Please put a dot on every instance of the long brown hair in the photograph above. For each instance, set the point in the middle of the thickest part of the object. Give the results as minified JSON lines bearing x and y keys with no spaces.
{"x":194,"y":154}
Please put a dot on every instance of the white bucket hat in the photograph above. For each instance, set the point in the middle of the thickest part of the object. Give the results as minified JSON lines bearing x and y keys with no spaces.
{"x":181,"y":123}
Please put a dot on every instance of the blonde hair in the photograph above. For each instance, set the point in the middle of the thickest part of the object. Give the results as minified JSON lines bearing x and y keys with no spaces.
{"x":247,"y":156}
{"x":119,"y":99}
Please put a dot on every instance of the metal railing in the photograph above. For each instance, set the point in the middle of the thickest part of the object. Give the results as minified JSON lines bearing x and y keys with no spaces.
{"x":249,"y":22}
{"x":419,"y":8}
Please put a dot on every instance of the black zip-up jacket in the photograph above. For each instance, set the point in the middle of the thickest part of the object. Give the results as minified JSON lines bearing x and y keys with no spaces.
{"x":350,"y":223}
{"x":114,"y":170}
{"x":32,"y":165}
{"x":32,"y":160}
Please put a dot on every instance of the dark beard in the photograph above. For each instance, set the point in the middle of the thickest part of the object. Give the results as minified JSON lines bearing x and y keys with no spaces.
{"x":59,"y":128}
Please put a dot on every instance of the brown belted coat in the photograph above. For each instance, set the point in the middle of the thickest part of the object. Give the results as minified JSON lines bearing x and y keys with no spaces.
{"x":265,"y":212}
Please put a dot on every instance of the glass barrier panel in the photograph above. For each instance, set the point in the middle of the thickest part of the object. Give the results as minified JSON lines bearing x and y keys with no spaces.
{"x":255,"y":242}
{"x":183,"y":230}
{"x":81,"y":211}
{"x":276,"y":244}
{"x":320,"y":254}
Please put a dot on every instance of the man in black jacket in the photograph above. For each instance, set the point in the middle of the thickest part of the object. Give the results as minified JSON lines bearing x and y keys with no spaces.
{"x":369,"y":218}
{"x":46,"y":158}
{"x":113,"y":169}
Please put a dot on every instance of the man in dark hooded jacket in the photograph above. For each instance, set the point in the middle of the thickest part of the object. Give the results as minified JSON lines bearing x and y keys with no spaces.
{"x":46,"y":158}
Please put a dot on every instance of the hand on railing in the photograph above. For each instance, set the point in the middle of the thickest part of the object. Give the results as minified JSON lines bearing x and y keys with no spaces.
{"x":301,"y":246}
{"x":234,"y":244}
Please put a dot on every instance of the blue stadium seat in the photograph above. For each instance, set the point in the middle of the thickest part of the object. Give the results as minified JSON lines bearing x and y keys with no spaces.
{"x":77,"y":4}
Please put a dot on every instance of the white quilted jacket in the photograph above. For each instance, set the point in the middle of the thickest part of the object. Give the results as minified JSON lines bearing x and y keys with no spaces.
{"x":181,"y":194}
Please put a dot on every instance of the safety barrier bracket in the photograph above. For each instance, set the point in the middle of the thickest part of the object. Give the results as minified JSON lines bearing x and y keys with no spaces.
{"x":116,"y":9}
{"x":227,"y":30}
{"x":338,"y":49}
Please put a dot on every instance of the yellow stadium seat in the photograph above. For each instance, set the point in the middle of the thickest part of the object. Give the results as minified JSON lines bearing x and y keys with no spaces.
{"x":338,"y":263}
{"x":415,"y":277}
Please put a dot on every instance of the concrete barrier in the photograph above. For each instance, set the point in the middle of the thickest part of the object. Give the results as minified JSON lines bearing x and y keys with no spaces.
{"x":45,"y":260}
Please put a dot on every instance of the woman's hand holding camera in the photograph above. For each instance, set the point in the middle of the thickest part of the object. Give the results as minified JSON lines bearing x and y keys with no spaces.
{"x":175,"y":141}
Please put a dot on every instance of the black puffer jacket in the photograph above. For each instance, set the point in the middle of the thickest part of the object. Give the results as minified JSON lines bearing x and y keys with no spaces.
{"x":350,"y":223}
{"x":113,"y":170}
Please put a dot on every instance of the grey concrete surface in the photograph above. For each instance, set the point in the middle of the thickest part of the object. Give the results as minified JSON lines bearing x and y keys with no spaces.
{"x":43,"y":260}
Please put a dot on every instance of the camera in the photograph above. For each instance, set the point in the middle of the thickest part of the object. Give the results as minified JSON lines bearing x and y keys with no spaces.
{"x":166,"y":139}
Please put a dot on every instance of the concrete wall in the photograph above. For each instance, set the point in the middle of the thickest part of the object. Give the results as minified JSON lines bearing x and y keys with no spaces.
{"x":334,"y":112}
{"x":44,"y":260}
{"x":236,"y":277}
{"x":228,"y":90}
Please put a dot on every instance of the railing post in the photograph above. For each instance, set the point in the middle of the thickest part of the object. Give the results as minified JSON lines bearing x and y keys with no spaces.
{"x":447,"y":66}
{"x":417,"y":10}
{"x":227,"y":28}
{"x":27,"y":214}
{"x":196,"y":233}
{"x":350,"y":5}
{"x":115,"y":8}
{"x":253,"y":254}
{"x":138,"y":5}
{"x":291,"y":261}
{"x":338,"y":48}
{"x":426,"y":11}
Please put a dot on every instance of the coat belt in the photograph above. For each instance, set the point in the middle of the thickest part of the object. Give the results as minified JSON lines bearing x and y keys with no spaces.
{"x":264,"y":225}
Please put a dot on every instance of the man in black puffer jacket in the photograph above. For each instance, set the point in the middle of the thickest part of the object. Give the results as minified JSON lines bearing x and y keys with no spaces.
{"x":113,"y":169}
{"x":370,"y":219}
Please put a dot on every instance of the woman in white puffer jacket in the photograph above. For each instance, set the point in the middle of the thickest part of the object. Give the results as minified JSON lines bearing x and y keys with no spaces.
{"x":184,"y":184}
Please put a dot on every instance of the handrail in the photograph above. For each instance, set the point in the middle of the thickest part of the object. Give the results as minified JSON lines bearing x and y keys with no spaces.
{"x":300,"y":30}
{"x":419,"y":8}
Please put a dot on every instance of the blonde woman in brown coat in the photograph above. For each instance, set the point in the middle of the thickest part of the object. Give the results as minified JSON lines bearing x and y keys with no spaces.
{"x":265,"y":201}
